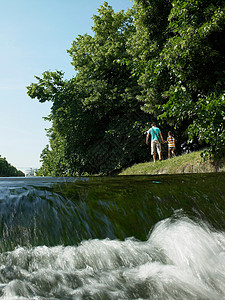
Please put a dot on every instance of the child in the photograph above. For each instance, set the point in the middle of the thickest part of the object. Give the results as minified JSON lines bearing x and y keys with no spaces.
{"x":171,"y":144}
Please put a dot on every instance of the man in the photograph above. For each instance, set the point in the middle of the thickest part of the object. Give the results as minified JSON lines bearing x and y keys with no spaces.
{"x":155,"y":143}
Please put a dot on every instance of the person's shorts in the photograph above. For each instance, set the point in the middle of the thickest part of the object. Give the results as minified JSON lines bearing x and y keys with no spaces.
{"x":171,"y":148}
{"x":155,"y":147}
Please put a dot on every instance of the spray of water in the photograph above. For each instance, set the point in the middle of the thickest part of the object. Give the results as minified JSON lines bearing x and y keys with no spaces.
{"x":181,"y":259}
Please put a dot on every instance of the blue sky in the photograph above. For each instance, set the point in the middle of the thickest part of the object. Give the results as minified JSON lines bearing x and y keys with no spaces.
{"x":34,"y":37}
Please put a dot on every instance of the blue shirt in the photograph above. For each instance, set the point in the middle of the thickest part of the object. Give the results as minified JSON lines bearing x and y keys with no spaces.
{"x":153,"y":135}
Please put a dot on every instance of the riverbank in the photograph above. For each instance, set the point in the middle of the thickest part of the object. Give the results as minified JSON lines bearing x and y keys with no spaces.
{"x":186,"y":163}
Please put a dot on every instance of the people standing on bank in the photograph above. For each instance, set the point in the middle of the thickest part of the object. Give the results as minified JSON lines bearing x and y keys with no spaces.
{"x":156,"y":135}
{"x":171,"y":144}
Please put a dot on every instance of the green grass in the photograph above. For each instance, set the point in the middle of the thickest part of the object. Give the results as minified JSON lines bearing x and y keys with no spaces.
{"x":186,"y":163}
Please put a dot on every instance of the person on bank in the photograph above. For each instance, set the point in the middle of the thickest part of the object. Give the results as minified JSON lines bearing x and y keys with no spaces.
{"x":156,"y":135}
{"x":171,"y":144}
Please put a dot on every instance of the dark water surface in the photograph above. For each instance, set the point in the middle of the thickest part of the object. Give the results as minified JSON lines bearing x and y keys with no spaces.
{"x":126,"y":237}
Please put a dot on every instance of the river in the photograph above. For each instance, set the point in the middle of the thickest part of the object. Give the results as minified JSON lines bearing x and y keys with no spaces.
{"x":124,"y":237}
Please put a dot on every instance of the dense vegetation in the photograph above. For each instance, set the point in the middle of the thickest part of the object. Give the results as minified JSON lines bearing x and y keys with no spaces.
{"x":7,"y":170}
{"x":160,"y":61}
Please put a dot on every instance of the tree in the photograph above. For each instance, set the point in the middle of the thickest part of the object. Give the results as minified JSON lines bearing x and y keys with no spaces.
{"x":7,"y":170}
{"x":185,"y":75}
{"x":95,"y":115}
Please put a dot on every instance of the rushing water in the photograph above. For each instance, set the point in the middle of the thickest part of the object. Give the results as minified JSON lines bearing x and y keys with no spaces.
{"x":132,"y":237}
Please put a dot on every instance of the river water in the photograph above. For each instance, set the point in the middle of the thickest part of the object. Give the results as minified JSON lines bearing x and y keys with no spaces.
{"x":125,"y":237}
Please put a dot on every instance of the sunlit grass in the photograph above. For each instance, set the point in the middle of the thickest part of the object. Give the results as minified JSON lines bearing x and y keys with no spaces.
{"x":186,"y":163}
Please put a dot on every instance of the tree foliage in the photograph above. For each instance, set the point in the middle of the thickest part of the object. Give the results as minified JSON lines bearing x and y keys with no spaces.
{"x":7,"y":170}
{"x":98,"y":125}
{"x":162,"y":60}
{"x":185,"y":78}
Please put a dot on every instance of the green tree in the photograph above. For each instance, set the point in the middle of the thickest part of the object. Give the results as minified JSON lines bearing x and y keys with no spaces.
{"x":7,"y":170}
{"x":96,"y":117}
{"x":184,"y":77}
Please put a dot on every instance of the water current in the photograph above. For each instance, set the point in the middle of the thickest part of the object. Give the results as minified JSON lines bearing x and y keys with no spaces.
{"x":124,"y":237}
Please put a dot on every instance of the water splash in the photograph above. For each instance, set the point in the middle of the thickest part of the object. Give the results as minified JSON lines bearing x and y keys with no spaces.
{"x":67,"y":238}
{"x":182,"y":259}
{"x":55,"y":211}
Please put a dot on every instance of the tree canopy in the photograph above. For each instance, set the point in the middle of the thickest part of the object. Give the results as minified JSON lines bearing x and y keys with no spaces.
{"x":183,"y":80}
{"x":98,"y":125}
{"x":161,"y":60}
{"x":7,"y":170}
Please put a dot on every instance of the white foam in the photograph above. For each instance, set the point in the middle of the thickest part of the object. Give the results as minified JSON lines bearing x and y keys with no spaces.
{"x":181,"y":260}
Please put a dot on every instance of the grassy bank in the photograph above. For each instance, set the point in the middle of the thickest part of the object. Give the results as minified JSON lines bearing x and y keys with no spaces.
{"x":186,"y":163}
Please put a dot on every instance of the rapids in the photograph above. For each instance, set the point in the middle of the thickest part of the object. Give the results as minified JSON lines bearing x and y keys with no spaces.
{"x":145,"y":237}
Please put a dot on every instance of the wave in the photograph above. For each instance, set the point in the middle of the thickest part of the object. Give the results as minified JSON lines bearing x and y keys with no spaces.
{"x":182,"y":259}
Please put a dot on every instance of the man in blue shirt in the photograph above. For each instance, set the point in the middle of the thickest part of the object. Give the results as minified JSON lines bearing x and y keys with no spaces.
{"x":155,"y":141}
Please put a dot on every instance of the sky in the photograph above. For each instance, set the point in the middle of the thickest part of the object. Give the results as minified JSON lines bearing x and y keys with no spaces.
{"x":34,"y":37}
